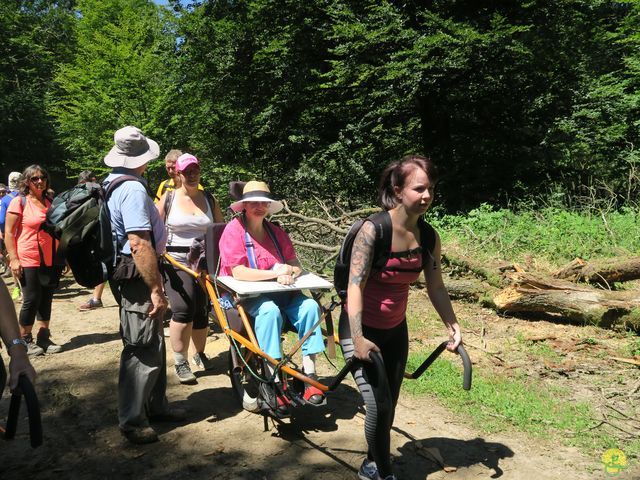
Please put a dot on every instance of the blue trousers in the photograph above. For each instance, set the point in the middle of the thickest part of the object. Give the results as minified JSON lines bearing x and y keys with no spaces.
{"x":303,"y":312}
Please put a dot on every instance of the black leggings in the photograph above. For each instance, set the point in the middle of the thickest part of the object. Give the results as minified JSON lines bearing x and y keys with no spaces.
{"x":36,"y":299}
{"x":187,"y":299}
{"x":380,"y":398}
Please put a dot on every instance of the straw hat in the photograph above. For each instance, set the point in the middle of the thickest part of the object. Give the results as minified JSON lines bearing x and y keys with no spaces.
{"x":255,"y":191}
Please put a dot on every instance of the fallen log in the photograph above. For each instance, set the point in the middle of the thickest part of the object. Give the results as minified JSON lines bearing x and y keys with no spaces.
{"x":579,"y":303}
{"x":604,"y":272}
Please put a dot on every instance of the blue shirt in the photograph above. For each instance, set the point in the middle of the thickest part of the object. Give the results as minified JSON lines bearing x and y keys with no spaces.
{"x":132,"y":210}
{"x":4,"y":205}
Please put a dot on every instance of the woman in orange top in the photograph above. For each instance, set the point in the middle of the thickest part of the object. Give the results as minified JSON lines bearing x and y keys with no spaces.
{"x":29,"y":247}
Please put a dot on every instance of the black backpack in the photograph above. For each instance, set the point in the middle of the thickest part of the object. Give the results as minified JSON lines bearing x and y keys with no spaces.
{"x":80,"y":219}
{"x":381,"y":250}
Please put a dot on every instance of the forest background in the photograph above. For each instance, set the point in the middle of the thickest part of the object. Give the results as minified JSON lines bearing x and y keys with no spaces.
{"x":530,"y":109}
{"x":515,"y":101}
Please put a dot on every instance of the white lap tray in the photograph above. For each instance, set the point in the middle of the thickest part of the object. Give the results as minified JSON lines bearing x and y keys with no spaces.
{"x":252,"y":289}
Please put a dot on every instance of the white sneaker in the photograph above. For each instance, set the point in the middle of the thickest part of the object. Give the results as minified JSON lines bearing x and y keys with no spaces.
{"x":368,"y":470}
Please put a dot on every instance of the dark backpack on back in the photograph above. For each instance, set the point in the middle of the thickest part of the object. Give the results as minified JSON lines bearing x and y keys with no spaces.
{"x":80,"y":219}
{"x":381,"y":250}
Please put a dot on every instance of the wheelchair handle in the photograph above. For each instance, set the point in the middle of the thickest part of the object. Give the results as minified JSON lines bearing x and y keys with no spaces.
{"x":466,"y":363}
{"x":33,"y":409}
{"x":352,"y":363}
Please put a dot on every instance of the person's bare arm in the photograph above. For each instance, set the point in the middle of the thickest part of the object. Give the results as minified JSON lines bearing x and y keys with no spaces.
{"x":240,"y":272}
{"x":10,"y":243}
{"x":160,"y":204}
{"x":361,"y":262}
{"x":217,"y":213}
{"x":144,"y":256}
{"x":440,"y":297}
{"x":19,"y":363}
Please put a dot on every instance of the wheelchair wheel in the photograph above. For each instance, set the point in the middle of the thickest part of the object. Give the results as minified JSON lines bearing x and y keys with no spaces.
{"x":245,"y":385}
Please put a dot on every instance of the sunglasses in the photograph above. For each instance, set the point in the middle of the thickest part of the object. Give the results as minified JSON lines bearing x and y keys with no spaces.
{"x":35,"y":179}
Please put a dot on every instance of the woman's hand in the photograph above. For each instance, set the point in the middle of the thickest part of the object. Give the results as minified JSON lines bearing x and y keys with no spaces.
{"x":19,"y":365}
{"x":455,"y":336}
{"x":16,"y":268}
{"x":285,"y":279}
{"x":362,"y":347}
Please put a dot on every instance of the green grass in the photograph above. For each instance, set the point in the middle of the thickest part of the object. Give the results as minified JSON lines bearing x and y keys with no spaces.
{"x":554,"y":234}
{"x":496,"y":403}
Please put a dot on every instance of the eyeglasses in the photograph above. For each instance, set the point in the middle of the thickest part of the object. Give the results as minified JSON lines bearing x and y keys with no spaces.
{"x":36,"y":178}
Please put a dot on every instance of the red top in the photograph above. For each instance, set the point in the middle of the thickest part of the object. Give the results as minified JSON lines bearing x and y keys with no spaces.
{"x":28,"y":233}
{"x":233,"y":251}
{"x":387,"y":292}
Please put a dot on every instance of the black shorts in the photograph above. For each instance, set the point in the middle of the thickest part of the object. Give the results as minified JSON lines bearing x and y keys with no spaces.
{"x":188,"y":301}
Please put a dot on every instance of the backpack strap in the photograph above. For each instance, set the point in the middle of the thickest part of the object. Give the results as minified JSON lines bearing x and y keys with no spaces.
{"x":168,"y":203}
{"x":108,"y":190}
{"x":427,"y":241}
{"x":382,"y":244}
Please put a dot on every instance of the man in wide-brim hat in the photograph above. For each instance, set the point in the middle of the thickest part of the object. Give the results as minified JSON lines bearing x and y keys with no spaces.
{"x":141,"y":238}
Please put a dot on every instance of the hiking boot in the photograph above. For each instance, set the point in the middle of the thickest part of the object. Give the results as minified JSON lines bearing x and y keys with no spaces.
{"x":90,"y":304}
{"x":184,"y":373}
{"x":43,"y":340}
{"x":171,"y":414}
{"x":313,"y":394}
{"x":140,"y":435}
{"x":202,"y":361}
{"x":33,"y":350}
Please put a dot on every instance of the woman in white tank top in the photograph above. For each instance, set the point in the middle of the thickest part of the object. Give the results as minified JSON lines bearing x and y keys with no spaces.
{"x":188,"y":213}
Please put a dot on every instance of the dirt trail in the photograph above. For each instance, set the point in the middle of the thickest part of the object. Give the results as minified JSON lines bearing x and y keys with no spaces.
{"x":77,"y":389}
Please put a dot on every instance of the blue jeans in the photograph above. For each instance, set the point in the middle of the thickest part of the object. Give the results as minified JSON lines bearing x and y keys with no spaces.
{"x":303,"y":312}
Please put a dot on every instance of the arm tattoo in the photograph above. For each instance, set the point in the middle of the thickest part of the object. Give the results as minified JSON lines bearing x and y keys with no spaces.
{"x":355,"y":324}
{"x":362,"y":255}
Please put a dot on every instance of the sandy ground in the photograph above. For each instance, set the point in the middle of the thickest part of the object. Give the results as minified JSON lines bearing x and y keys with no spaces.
{"x":77,"y":390}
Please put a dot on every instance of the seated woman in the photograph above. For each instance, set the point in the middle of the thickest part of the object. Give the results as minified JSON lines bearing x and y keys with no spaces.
{"x":187,"y":212}
{"x":253,"y":249}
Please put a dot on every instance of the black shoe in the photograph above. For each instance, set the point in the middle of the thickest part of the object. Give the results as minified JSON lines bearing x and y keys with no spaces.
{"x":171,"y":414}
{"x":43,"y":340}
{"x":140,"y":435}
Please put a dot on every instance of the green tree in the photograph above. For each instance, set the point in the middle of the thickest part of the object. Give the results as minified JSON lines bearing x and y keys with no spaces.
{"x":118,"y":76}
{"x":34,"y":37}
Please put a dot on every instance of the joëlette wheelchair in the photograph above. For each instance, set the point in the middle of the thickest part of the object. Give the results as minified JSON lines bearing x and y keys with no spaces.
{"x":255,"y":388}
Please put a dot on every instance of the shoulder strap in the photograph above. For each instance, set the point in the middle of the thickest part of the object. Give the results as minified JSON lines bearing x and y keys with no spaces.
{"x":168,"y":202}
{"x":427,"y":240}
{"x":211,"y":200}
{"x":116,"y":182}
{"x":272,"y":235}
{"x":384,"y":233}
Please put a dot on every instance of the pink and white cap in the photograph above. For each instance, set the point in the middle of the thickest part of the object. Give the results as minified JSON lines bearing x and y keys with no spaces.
{"x":184,"y":161}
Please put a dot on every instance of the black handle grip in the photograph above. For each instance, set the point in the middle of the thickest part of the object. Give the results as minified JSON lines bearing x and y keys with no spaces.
{"x":25,"y":388}
{"x":466,"y":363}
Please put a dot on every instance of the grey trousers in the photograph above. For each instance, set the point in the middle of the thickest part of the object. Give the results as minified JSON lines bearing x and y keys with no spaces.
{"x":142,"y":382}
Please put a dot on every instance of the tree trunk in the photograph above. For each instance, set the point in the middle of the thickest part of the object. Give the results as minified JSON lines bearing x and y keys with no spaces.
{"x":532,"y":294}
{"x":603,"y":272}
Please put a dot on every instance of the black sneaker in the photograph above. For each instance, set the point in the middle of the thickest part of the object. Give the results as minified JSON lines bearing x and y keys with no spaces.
{"x":43,"y":340}
{"x":184,"y":373}
{"x":202,"y":361}
{"x":33,"y":350}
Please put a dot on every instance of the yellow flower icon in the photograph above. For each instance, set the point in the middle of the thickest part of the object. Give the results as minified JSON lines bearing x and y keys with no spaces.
{"x":614,"y":461}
